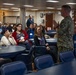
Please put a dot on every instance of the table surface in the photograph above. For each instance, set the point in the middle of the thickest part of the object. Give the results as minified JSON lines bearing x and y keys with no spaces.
{"x":68,"y":68}
{"x":54,"y":32}
{"x":51,"y":40}
{"x":51,"y":33}
{"x":11,"y":49}
{"x":48,"y":40}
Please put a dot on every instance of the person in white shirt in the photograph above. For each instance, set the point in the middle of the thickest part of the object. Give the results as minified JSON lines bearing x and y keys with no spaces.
{"x":7,"y":38}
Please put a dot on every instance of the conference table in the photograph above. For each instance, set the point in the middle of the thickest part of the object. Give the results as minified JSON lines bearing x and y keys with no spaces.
{"x":67,"y":68}
{"x":47,"y":40}
{"x":51,"y":33}
{"x":10,"y":51}
{"x":51,"y":41}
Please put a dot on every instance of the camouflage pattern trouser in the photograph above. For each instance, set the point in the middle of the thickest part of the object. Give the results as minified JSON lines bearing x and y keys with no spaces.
{"x":63,"y":49}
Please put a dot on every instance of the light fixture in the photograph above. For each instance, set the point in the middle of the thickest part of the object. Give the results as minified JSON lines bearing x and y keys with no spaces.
{"x":4,"y":9}
{"x":8,"y":4}
{"x":59,"y":8}
{"x":34,"y":9}
{"x":50,"y":7}
{"x":15,"y":8}
{"x":28,"y":5}
{"x":71,"y":3}
{"x":53,"y":1}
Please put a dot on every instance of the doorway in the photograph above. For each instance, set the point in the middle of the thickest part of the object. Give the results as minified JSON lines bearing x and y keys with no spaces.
{"x":49,"y":21}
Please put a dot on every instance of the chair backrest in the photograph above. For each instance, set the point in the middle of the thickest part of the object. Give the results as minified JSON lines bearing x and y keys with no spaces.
{"x":13,"y":68}
{"x":43,"y":62}
{"x":74,"y":40}
{"x":66,"y":56}
{"x":39,"y":50}
{"x":75,"y":53}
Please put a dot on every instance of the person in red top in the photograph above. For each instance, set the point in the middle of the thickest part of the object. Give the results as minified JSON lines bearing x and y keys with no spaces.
{"x":20,"y":36}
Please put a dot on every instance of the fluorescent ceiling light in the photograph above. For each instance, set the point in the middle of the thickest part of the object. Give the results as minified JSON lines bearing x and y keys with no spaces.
{"x":8,"y":4}
{"x":59,"y":8}
{"x":28,"y":5}
{"x":50,"y":7}
{"x":52,"y":1}
{"x":71,"y":3}
{"x":15,"y":8}
{"x":34,"y":9}
{"x":4,"y":9}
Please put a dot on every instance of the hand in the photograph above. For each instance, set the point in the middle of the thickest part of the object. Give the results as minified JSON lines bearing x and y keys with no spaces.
{"x":10,"y":36}
{"x":21,"y":40}
{"x":46,"y":44}
{"x":48,"y":48}
{"x":1,"y":58}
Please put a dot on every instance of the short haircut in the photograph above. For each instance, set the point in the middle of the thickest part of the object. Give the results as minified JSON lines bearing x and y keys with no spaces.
{"x":67,"y":8}
{"x":4,"y":30}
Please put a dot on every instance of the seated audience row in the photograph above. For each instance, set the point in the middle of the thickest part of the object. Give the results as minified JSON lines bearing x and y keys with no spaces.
{"x":21,"y":37}
{"x":18,"y":37}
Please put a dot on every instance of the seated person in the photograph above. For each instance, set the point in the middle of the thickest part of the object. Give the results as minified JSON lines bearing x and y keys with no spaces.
{"x":43,"y":29}
{"x":21,"y":36}
{"x":1,"y":28}
{"x":30,"y":31}
{"x":7,"y":38}
{"x":39,"y":40}
{"x":35,"y":25}
{"x":4,"y":41}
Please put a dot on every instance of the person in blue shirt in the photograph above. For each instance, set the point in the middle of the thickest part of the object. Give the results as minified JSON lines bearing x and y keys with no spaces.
{"x":30,"y":21}
{"x":30,"y":31}
{"x":1,"y":29}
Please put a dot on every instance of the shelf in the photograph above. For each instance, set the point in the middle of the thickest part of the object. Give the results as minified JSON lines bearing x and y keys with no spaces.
{"x":11,"y":16}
